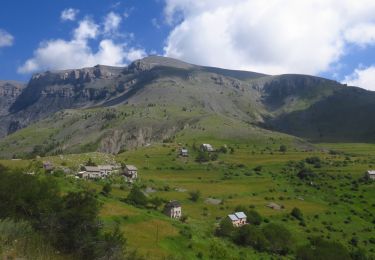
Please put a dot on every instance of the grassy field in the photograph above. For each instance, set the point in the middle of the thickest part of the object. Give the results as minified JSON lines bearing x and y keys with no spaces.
{"x":335,"y":205}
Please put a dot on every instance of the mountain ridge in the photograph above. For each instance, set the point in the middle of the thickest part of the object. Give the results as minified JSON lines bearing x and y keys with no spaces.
{"x":176,"y":95}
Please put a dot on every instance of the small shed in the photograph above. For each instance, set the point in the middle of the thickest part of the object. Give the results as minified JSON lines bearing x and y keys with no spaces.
{"x":238,"y":219}
{"x":206,"y":148}
{"x":173,"y":209}
{"x":184,"y":152}
{"x":130,"y":173}
{"x":370,"y":174}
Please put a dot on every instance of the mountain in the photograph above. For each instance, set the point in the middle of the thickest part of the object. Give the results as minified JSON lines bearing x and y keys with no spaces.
{"x":156,"y":98}
{"x":9,"y":91}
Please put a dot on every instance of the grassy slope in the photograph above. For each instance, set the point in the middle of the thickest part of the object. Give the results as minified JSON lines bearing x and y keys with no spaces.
{"x":156,"y":236}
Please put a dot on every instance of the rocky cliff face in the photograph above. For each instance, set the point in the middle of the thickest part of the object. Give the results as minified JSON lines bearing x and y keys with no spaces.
{"x":166,"y":92}
{"x":9,"y":91}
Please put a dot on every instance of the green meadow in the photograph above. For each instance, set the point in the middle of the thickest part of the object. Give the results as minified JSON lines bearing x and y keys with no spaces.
{"x":337,"y":204}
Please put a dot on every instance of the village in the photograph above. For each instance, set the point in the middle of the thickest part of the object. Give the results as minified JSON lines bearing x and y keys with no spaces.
{"x":172,"y":208}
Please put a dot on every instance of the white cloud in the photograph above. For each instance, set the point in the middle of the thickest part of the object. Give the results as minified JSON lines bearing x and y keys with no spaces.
{"x":112,"y":23}
{"x":361,"y":34}
{"x":69,"y":14}
{"x":6,"y":39}
{"x":363,"y":78}
{"x":77,"y":52}
{"x":87,"y":29}
{"x":275,"y":36}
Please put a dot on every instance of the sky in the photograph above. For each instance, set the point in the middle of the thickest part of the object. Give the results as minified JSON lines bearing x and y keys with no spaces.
{"x":329,"y":38}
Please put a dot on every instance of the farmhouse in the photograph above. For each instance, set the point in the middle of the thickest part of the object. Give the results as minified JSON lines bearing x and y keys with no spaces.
{"x":206,"y":148}
{"x":184,"y":152}
{"x":371,"y":175}
{"x":130,"y":173}
{"x":238,"y":219}
{"x":173,"y":209}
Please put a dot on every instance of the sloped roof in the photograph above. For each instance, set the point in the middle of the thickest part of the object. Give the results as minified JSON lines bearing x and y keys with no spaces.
{"x":240,"y":215}
{"x":105,"y":167}
{"x":92,"y":168}
{"x":131,"y":167}
{"x":232,"y":217}
{"x":371,"y":172}
{"x":173,"y":204}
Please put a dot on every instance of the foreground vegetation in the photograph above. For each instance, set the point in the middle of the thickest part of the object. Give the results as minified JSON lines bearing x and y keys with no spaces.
{"x":326,"y":210}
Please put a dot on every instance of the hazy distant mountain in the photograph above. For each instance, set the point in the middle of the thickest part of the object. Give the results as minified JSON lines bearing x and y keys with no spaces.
{"x":111,"y":108}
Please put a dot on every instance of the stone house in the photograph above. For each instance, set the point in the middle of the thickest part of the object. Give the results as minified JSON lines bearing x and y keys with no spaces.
{"x":206,"y":148}
{"x":173,"y":209}
{"x":238,"y":219}
{"x":130,"y":173}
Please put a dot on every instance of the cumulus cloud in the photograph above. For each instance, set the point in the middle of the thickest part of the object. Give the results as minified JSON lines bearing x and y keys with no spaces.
{"x":77,"y":52}
{"x":112,"y":22}
{"x":362,"y":77}
{"x":276,"y":36}
{"x":69,"y":14}
{"x":6,"y":39}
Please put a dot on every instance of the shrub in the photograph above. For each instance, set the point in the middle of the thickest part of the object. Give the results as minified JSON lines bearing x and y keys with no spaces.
{"x":106,"y":190}
{"x":283,"y":148}
{"x":136,"y":197}
{"x":322,"y":249}
{"x":195,"y":195}
{"x":279,"y":238}
{"x":253,"y":217}
{"x":297,"y":213}
{"x":251,"y":236}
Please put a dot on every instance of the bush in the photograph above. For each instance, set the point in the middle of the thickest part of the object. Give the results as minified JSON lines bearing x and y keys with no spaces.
{"x":225,"y":228}
{"x":195,"y":195}
{"x":251,"y":236}
{"x":253,"y":217}
{"x":136,"y":197}
{"x":279,"y":238}
{"x":283,"y":148}
{"x":297,"y":213}
{"x":322,"y":249}
{"x":306,"y":174}
{"x":202,"y":157}
{"x":106,"y":190}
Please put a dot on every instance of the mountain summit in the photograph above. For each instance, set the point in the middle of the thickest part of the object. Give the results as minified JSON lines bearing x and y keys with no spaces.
{"x":114,"y":108}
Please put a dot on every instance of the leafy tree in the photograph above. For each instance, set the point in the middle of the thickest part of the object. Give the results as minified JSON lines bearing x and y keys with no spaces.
{"x":253,"y":217}
{"x":279,"y":238}
{"x":226,"y":228}
{"x":297,"y":213}
{"x":248,"y":235}
{"x":283,"y":148}
{"x":77,"y":224}
{"x":202,"y":157}
{"x":320,"y":249}
{"x":156,"y":202}
{"x":218,"y":251}
{"x":137,"y":197}
{"x":306,"y":174}
{"x":195,"y":195}
{"x":106,"y":190}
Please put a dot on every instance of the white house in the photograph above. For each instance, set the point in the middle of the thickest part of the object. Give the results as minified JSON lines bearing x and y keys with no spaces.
{"x":173,"y":209}
{"x":184,"y":152}
{"x":130,"y":173}
{"x":238,"y":219}
{"x":371,"y":174}
{"x":206,"y":148}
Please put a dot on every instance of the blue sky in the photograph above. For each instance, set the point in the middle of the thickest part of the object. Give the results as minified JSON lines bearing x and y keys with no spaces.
{"x":330,"y":38}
